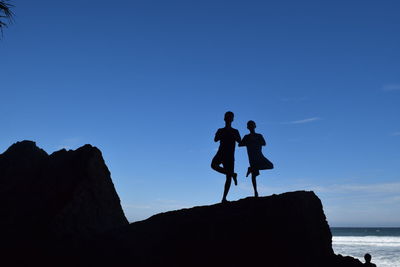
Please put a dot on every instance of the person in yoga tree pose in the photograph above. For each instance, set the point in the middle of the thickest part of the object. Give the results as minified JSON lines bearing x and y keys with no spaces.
{"x":227,"y":137}
{"x":254,"y":142}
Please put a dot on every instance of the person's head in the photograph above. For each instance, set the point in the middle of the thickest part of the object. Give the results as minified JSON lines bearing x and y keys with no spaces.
{"x":228,"y":118}
{"x":251,"y":125}
{"x":367,"y":257}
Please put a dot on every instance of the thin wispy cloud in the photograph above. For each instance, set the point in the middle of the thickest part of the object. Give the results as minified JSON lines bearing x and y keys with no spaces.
{"x":307,"y":120}
{"x":391,"y":87}
{"x":392,"y":200}
{"x":361,"y":188}
{"x":396,"y":134}
{"x":378,"y":188}
{"x":294,"y":99}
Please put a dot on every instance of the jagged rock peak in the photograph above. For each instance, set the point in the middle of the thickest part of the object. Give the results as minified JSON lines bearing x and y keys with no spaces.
{"x":67,"y":193}
{"x":24,"y":147}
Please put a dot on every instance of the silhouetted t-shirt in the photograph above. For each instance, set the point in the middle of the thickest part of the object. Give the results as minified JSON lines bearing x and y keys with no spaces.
{"x":227,"y":137}
{"x":254,"y":143}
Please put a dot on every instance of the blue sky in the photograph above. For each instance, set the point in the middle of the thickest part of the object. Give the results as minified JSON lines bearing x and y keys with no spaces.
{"x":148,"y":83}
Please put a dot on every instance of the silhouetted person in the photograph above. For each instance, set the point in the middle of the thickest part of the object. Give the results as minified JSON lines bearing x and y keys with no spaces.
{"x":367,"y":258}
{"x":254,"y":142}
{"x":227,"y":137}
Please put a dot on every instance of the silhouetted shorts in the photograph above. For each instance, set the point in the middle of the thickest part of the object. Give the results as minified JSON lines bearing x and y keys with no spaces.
{"x":227,"y":161}
{"x":261,"y":163}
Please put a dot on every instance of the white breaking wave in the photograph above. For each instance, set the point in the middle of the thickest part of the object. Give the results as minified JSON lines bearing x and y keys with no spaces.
{"x":385,"y":250}
{"x":376,"y":241}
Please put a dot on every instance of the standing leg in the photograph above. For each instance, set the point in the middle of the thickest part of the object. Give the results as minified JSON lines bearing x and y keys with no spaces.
{"x":229,"y":166}
{"x":226,"y":188}
{"x":254,"y":181}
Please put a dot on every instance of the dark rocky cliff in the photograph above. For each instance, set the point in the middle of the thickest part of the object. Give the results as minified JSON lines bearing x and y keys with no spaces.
{"x":62,"y":210}
{"x":280,"y":230}
{"x":67,"y":193}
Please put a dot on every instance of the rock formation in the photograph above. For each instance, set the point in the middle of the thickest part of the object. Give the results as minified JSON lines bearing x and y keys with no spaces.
{"x":280,"y":230}
{"x":62,"y":210}
{"x":67,"y":193}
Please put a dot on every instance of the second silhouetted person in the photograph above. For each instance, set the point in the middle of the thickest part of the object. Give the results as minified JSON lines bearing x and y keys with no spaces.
{"x":254,"y":143}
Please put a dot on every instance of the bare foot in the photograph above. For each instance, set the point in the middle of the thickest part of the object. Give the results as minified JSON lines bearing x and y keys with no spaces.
{"x":248,"y":171}
{"x":234,"y":177}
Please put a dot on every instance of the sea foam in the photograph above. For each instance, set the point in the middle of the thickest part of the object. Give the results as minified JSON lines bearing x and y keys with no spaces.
{"x":375,"y":241}
{"x":385,"y":250}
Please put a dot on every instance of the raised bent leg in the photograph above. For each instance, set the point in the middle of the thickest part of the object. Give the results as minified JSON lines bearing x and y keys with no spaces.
{"x":218,"y":168}
{"x":216,"y":162}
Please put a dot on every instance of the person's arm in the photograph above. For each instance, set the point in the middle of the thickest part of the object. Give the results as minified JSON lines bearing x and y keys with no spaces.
{"x":263,"y":143}
{"x":217,"y":136}
{"x":243,"y":141}
{"x":238,"y":139}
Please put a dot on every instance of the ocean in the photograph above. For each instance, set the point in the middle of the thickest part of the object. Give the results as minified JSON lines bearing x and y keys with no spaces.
{"x":382,"y":243}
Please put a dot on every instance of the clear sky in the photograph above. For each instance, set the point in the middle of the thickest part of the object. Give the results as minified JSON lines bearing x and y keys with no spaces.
{"x":148,"y":83}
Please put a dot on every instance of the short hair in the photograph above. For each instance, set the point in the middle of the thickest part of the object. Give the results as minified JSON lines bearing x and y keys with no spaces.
{"x":367,"y":257}
{"x":251,"y":122}
{"x":228,"y":114}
